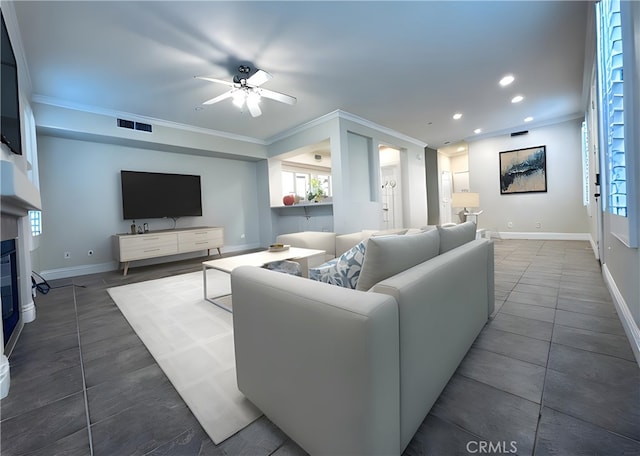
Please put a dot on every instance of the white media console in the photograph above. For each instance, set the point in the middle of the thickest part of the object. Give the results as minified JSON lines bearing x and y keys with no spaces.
{"x":153,"y":244}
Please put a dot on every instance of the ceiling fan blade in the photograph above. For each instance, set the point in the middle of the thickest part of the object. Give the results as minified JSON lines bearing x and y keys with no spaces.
{"x":224,"y":96}
{"x":258,"y":78}
{"x":254,"y":107}
{"x":281,"y":97}
{"x":219,"y":81}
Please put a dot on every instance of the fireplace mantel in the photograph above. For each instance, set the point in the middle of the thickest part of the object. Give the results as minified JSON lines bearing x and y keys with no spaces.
{"x":17,"y":192}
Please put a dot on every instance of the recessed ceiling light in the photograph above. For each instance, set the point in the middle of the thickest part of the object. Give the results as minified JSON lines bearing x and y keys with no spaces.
{"x":528,"y":119}
{"x":457,"y":116}
{"x":508,"y":79}
{"x":517,"y":99}
{"x":199,"y":108}
{"x":477,"y":130}
{"x":460,"y":149}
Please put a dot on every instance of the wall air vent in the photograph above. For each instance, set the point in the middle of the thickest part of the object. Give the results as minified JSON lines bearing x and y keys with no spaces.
{"x":131,"y":125}
{"x":143,"y":127}
{"x":519,"y":133}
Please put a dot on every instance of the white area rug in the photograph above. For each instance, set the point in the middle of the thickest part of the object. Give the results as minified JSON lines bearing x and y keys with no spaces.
{"x":192,"y":341}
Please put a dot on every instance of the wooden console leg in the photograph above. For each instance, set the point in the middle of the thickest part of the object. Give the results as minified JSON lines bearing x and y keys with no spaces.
{"x":219,"y":252}
{"x":126,"y":268}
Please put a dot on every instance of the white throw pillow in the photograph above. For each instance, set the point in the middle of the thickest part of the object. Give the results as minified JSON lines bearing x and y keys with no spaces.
{"x":343,"y":271}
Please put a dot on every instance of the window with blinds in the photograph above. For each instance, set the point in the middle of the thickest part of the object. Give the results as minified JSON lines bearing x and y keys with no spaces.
{"x":35,"y":220}
{"x":585,"y":165}
{"x":611,"y":103}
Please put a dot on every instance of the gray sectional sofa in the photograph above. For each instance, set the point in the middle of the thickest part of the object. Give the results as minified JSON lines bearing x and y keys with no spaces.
{"x":356,"y":371}
{"x":333,"y":244}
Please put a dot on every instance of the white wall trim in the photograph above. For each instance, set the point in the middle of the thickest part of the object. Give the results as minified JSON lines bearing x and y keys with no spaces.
{"x":628,"y":323}
{"x":594,"y":247}
{"x":339,"y":114}
{"x":545,"y":236}
{"x":46,"y":100}
{"x":74,"y":271}
{"x":5,"y":376}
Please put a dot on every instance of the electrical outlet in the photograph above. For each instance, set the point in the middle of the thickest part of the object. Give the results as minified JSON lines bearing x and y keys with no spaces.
{"x":90,"y":252}
{"x":67,"y":255}
{"x":509,"y":224}
{"x":538,"y":225}
{"x":242,"y":236}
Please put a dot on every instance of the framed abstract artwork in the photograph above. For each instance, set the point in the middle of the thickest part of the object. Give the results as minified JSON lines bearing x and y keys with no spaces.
{"x":523,"y":170}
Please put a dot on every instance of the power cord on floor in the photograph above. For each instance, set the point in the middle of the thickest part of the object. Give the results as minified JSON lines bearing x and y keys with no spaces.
{"x":44,"y":287}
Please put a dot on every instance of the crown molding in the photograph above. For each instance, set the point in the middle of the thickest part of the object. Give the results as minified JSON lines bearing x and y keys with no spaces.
{"x":343,"y":115}
{"x":43,"y":99}
{"x":337,"y":114}
{"x":528,"y":126}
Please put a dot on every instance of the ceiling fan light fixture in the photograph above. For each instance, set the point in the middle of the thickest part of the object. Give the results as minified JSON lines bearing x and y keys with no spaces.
{"x":239,"y":98}
{"x":253,"y":96}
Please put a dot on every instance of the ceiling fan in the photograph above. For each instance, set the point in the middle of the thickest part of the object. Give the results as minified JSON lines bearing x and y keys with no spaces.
{"x":247,"y":90}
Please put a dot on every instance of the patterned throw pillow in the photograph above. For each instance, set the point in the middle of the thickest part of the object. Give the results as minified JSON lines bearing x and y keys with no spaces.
{"x":343,"y":271}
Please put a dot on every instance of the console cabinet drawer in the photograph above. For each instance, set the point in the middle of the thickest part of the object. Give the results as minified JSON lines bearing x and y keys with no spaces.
{"x":140,"y":246}
{"x":189,"y":241}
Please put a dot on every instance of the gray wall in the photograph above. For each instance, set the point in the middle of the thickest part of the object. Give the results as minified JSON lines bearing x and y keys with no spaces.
{"x":559,"y":210}
{"x":432,"y":176}
{"x":81,"y":199}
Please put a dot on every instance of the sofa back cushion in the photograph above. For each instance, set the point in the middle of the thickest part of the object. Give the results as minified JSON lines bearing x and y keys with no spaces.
{"x":386,"y":256}
{"x":454,"y":236}
{"x":319,"y":240}
{"x":345,"y":242}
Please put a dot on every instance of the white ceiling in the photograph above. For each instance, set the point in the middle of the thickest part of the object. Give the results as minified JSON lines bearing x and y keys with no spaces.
{"x":408,"y":66}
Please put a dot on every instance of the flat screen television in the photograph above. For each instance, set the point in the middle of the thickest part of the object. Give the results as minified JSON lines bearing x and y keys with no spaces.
{"x":9,"y":105}
{"x":158,"y":195}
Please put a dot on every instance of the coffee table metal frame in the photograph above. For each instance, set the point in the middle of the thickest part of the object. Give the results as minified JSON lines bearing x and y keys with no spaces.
{"x":307,"y":258}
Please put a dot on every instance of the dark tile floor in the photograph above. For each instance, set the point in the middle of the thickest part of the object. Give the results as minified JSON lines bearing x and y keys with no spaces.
{"x":551,"y":374}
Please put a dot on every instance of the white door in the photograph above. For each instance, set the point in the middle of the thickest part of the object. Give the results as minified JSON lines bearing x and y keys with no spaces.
{"x":445,"y":197}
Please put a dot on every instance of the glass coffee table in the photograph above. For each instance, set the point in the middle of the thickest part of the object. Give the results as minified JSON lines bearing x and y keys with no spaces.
{"x":307,"y":258}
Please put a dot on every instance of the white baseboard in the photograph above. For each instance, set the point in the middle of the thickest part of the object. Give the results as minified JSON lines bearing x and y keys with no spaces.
{"x":628,"y":323}
{"x":545,"y":236}
{"x":5,"y":377}
{"x":74,"y":271}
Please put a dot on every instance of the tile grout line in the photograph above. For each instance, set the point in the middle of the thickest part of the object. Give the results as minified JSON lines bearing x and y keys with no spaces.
{"x":546,"y":367}
{"x":84,"y":382}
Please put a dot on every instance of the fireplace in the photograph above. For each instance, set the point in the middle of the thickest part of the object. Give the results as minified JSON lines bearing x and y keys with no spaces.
{"x":10,"y":293}
{"x":18,"y":196}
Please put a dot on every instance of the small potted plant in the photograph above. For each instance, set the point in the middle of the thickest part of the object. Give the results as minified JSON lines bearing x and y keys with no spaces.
{"x":315,"y":193}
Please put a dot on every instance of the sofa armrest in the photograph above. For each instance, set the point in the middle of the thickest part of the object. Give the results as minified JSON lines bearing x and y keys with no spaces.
{"x":442,"y":308}
{"x":320,"y":361}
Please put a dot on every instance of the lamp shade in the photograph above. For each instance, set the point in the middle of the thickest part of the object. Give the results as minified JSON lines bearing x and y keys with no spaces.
{"x":465,"y":199}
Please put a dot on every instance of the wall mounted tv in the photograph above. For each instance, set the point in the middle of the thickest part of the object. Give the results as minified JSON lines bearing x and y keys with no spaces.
{"x":158,"y":195}
{"x":9,"y":104}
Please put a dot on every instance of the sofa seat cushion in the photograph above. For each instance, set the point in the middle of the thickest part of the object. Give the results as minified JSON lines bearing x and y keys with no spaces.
{"x":343,"y":271}
{"x":387,"y":256}
{"x":454,"y":236}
